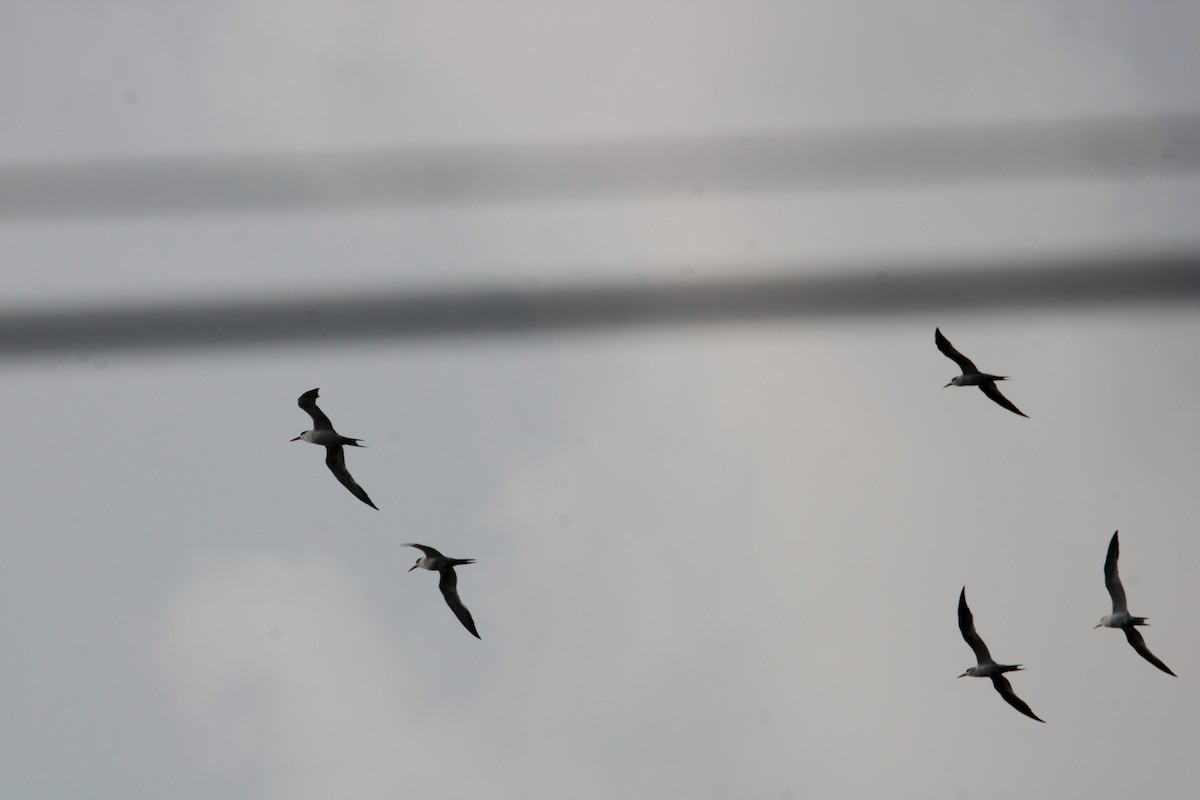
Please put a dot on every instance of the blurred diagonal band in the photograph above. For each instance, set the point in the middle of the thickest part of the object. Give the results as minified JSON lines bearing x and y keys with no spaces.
{"x":1095,"y":148}
{"x":1088,"y":284}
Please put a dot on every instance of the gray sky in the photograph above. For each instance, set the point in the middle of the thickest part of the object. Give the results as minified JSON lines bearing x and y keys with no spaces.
{"x":712,"y":562}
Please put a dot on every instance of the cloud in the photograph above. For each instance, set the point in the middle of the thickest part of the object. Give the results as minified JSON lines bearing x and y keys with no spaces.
{"x":287,"y":674}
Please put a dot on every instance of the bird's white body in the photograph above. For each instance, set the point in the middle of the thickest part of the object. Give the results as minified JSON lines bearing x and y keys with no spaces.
{"x":988,"y":670}
{"x":326,"y":438}
{"x":1121,"y":620}
{"x":976,"y":379}
{"x":439,"y":563}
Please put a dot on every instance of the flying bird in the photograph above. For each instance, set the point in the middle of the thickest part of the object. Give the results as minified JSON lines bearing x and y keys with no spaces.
{"x":324,"y":434}
{"x":448,"y":583}
{"x":986,"y":668}
{"x":971,"y":376}
{"x":1120,"y":616}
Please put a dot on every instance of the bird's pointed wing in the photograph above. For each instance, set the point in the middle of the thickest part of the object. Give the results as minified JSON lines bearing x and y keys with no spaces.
{"x":308,"y":401}
{"x":966,"y":624}
{"x":1006,"y":691}
{"x":1112,"y":578}
{"x":943,"y":344}
{"x":335,"y":459}
{"x":424,"y":548}
{"x":449,"y":586}
{"x":1135,"y":638}
{"x":993,"y":392}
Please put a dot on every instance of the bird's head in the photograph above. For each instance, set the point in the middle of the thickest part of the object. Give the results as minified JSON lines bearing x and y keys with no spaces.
{"x":300,"y":437}
{"x":414,"y":566}
{"x":1099,"y":624}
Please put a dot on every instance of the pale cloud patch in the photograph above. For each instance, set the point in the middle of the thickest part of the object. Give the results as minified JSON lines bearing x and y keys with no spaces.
{"x":286,"y":672}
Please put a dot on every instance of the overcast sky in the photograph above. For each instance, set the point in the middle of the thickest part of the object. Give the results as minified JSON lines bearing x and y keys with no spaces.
{"x":712,"y":562}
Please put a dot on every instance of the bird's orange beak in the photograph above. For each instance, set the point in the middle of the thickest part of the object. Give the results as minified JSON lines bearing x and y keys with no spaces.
{"x":951,"y":383}
{"x":294,"y":440}
{"x":414,"y":566}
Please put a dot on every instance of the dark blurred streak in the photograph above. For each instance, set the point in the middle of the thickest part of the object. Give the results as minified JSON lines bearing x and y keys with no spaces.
{"x":1114,"y":147}
{"x":880,"y":291}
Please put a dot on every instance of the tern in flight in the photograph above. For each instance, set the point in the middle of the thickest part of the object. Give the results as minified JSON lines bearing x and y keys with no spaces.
{"x":986,"y":668}
{"x":1120,"y":616}
{"x":433,"y":560}
{"x":971,"y":376}
{"x":324,"y":434}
